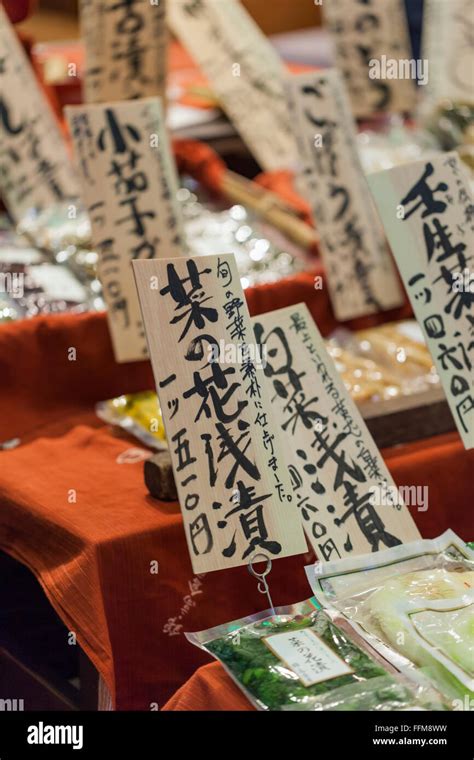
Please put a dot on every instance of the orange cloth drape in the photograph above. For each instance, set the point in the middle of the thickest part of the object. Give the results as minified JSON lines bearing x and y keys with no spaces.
{"x":209,"y":689}
{"x":75,"y":510}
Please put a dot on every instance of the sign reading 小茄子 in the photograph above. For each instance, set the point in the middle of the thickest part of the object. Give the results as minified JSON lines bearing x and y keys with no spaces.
{"x":129,"y":188}
{"x":245,"y":73}
{"x":125,"y":44}
{"x":428,"y":212}
{"x":372,"y":48}
{"x":360,"y":273}
{"x":234,"y":490}
{"x":448,"y":45}
{"x":35,"y":169}
{"x":337,"y":472}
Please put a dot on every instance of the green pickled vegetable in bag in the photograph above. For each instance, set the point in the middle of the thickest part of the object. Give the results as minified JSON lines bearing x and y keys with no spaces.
{"x":300,"y":659}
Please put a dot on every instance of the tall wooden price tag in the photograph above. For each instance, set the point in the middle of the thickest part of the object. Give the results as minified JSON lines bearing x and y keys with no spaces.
{"x":428,"y":212}
{"x":370,"y":39}
{"x":129,"y":187}
{"x":234,"y":490}
{"x":126,"y":44}
{"x":360,"y":273}
{"x":448,"y":45}
{"x":347,"y":499}
{"x":35,"y":169}
{"x":244,"y":71}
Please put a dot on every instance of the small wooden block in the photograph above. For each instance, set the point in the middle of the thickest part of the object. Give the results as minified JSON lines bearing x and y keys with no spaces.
{"x":159,"y":478}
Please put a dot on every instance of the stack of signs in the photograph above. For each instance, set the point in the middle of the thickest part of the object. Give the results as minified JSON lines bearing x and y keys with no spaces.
{"x":125,"y":49}
{"x":35,"y":169}
{"x":347,"y":499}
{"x":428,"y":212}
{"x":129,"y":187}
{"x":360,"y":273}
{"x":448,"y":46}
{"x":233,"y":486}
{"x":372,"y":50}
{"x":244,"y":70}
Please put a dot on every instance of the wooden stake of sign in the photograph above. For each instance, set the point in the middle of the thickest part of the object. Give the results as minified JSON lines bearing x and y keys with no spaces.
{"x":235,"y":493}
{"x":428,"y":212}
{"x":343,"y":489}
{"x":372,"y":48}
{"x":448,"y":46}
{"x":360,"y":273}
{"x":126,"y":45}
{"x":35,"y":169}
{"x":244,"y":70}
{"x":129,"y":187}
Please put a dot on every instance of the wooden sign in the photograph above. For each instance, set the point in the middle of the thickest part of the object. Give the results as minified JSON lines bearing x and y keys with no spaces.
{"x":360,"y":273}
{"x":126,"y":43}
{"x":35,"y":169}
{"x":129,"y":187}
{"x":245,"y":73}
{"x":428,"y":211}
{"x":235,"y":493}
{"x":448,"y":45}
{"x":347,"y":499}
{"x":372,"y":50}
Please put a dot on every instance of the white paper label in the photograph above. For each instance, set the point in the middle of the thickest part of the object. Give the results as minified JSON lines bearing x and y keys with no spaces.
{"x":308,"y":656}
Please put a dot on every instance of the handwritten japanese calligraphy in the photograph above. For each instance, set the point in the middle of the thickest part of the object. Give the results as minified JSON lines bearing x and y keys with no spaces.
{"x":235,"y":494}
{"x":428,"y":211}
{"x":125,"y":46}
{"x":35,"y":169}
{"x":244,"y":71}
{"x":129,"y":187}
{"x":333,"y":461}
{"x":366,"y":30}
{"x":360,"y":273}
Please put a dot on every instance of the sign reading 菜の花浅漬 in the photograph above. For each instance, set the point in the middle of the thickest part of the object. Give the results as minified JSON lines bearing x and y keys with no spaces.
{"x":428,"y":211}
{"x":234,"y":489}
{"x":35,"y":169}
{"x":347,"y":499}
{"x":129,"y":187}
{"x":360,"y":273}
{"x":245,"y":73}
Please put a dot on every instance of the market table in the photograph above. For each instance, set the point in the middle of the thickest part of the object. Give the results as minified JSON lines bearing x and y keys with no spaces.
{"x":209,"y":689}
{"x":75,"y":510}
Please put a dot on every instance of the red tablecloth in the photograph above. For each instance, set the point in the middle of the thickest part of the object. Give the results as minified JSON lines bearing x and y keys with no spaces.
{"x":74,"y":508}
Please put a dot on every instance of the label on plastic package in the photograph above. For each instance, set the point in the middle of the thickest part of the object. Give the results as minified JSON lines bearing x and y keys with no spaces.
{"x":309,"y":657}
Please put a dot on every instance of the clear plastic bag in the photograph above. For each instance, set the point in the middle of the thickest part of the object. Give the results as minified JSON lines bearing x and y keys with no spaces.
{"x":300,"y":658}
{"x":383,"y":362}
{"x":414,"y":603}
{"x":137,"y":413}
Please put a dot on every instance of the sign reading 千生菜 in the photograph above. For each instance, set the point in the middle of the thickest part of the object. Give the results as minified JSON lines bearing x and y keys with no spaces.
{"x":428,"y":211}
